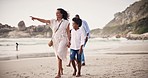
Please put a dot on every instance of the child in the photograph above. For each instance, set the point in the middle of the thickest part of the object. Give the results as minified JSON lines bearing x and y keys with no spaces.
{"x":76,"y":47}
{"x":17,"y":46}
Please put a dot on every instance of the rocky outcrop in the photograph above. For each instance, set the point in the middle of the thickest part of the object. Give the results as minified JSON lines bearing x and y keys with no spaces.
{"x":5,"y":29}
{"x":18,"y":34}
{"x":21,"y":26}
{"x":40,"y":31}
{"x":131,"y":36}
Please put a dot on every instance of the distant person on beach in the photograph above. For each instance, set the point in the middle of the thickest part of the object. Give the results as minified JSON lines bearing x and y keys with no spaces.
{"x":17,"y":46}
{"x":76,"y":48}
{"x":60,"y":37}
{"x":86,"y":30}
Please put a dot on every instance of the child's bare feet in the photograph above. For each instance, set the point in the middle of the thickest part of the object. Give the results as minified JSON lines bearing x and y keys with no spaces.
{"x":83,"y":64}
{"x":78,"y":75}
{"x":68,"y":65}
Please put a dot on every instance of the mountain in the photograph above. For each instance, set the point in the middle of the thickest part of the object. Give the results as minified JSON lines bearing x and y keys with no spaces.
{"x":133,"y":19}
{"x":134,"y":12}
{"x":95,"y":32}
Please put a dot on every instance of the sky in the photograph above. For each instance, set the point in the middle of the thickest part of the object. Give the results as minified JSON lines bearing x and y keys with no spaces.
{"x":97,"y":13}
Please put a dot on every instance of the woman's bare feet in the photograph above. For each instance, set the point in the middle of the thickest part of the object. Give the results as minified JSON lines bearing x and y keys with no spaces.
{"x":62,"y":71}
{"x":58,"y":76}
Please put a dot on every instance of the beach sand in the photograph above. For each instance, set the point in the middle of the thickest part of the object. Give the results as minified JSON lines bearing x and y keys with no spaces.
{"x":114,"y":65}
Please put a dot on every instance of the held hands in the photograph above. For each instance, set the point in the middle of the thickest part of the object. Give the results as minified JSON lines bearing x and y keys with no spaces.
{"x":68,"y":44}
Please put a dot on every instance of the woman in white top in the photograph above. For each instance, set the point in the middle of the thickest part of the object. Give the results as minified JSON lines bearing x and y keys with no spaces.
{"x":61,"y":36}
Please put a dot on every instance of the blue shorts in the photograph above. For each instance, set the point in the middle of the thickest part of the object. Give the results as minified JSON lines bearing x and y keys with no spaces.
{"x":73,"y":53}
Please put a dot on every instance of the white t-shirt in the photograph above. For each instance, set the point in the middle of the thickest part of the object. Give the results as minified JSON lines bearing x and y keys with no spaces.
{"x":77,"y":39}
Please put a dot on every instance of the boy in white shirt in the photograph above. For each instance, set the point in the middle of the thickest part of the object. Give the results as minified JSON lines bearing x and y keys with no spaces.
{"x":76,"y":47}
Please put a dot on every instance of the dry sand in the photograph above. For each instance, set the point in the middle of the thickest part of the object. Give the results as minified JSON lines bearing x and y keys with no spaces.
{"x":132,"y":65}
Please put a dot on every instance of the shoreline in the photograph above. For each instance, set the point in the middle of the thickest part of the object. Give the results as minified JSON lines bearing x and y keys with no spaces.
{"x":24,"y":56}
{"x":44,"y":55}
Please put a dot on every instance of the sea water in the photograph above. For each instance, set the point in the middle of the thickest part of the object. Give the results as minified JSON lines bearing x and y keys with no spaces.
{"x":40,"y":45}
{"x":26,"y":46}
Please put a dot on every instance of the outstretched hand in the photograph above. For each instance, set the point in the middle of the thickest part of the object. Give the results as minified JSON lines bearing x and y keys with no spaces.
{"x":33,"y":18}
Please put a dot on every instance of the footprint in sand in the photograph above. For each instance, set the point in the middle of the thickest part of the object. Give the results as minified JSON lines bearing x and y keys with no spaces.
{"x":10,"y":72}
{"x":7,"y":72}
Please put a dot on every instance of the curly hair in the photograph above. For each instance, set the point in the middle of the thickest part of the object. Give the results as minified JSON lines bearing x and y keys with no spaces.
{"x":64,"y":13}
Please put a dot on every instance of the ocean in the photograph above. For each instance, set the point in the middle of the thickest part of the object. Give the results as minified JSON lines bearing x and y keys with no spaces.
{"x":37,"y":47}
